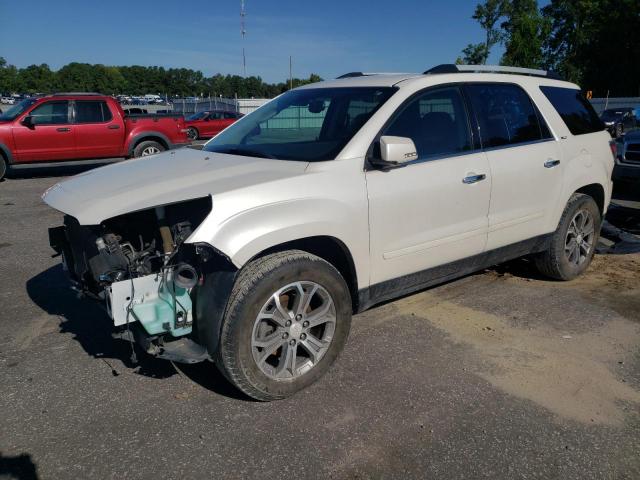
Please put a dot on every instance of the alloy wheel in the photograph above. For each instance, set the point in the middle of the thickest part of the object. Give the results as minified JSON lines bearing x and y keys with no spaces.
{"x":580,"y":236}
{"x":293,"y":330}
{"x":150,"y":150}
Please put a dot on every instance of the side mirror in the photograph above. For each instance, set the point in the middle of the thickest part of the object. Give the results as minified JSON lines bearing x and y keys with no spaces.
{"x":28,"y":121}
{"x":397,"y":150}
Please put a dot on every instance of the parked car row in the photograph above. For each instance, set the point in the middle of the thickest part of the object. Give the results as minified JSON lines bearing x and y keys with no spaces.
{"x":149,"y":99}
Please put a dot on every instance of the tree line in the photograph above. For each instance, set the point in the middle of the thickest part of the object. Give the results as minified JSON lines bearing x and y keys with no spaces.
{"x":595,"y":43}
{"x":136,"y":80}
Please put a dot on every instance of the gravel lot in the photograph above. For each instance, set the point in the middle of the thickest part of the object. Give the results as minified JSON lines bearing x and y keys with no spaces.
{"x":501,"y":374}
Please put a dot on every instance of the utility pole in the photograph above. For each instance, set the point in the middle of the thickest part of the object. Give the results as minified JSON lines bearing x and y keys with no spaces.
{"x":290,"y":73}
{"x":242,"y":32}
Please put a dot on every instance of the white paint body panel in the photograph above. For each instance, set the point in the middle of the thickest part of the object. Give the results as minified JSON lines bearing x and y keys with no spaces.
{"x":423,"y":215}
{"x":393,"y":223}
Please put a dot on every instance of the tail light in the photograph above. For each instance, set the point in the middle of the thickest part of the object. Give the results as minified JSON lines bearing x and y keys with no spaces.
{"x":614,"y":148}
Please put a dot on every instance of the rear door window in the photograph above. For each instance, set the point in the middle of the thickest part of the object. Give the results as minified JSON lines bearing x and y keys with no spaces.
{"x":575,"y":110}
{"x":506,"y":115}
{"x":51,"y":113}
{"x":92,"y":112}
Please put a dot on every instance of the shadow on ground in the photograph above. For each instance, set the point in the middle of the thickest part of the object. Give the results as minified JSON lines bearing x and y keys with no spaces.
{"x":20,"y":467}
{"x":92,"y":328}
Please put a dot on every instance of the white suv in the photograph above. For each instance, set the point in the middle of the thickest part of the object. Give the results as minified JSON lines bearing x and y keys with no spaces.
{"x":255,"y":252}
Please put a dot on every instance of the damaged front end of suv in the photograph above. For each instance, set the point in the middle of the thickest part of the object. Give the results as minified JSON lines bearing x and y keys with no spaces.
{"x":146,"y":273}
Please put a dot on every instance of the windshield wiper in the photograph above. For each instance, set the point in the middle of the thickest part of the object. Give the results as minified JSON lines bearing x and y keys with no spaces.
{"x":246,"y":153}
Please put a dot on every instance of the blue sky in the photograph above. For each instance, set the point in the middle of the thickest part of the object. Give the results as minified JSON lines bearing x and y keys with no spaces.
{"x":327,"y":37}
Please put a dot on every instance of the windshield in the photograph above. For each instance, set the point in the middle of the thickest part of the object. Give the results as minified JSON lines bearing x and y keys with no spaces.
{"x":17,"y":109}
{"x":307,"y":125}
{"x":197,"y":116}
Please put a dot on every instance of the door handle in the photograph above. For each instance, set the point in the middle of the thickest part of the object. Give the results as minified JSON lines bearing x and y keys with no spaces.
{"x":113,"y":127}
{"x":473,"y":178}
{"x":63,"y":129}
{"x":551,"y":163}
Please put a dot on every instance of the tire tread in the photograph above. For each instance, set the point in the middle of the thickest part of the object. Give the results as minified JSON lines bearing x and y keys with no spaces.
{"x":549,"y":262}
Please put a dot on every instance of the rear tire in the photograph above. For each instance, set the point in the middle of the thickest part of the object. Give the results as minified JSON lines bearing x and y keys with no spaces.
{"x":287,"y":319}
{"x":573,"y":243}
{"x":192,"y":133}
{"x":148,"y":147}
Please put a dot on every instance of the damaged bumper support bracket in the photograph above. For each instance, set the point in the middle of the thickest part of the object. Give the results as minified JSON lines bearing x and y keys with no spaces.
{"x":183,"y":350}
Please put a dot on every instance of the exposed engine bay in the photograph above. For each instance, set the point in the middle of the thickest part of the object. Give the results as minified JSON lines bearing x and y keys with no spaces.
{"x":139,"y":264}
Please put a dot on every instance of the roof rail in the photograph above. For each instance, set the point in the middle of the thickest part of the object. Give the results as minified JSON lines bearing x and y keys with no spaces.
{"x":351,"y":74}
{"x":452,"y":68}
{"x":366,"y":74}
{"x":67,"y":94}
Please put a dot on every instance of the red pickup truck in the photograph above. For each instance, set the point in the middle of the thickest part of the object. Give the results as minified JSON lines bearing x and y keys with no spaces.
{"x":73,"y":127}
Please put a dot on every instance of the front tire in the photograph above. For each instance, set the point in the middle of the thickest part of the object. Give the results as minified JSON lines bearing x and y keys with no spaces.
{"x":619,"y":130}
{"x":3,"y":167}
{"x":573,"y":243}
{"x":148,"y":147}
{"x":287,"y":319}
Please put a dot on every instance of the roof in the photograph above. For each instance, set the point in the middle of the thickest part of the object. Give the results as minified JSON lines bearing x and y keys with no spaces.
{"x":445,"y":74}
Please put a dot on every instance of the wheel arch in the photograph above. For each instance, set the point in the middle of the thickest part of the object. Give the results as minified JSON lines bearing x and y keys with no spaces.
{"x":5,"y":153}
{"x":148,"y":136}
{"x":597,"y":192}
{"x":330,"y":249}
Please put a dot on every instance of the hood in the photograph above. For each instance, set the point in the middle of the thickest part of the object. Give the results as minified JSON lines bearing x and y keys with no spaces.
{"x":633,"y":135}
{"x":169,"y":177}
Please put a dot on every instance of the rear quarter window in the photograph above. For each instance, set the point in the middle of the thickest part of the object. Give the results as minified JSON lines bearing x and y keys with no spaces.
{"x":576,"y":112}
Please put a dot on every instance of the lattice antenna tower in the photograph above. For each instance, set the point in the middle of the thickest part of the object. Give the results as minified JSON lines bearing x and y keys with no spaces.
{"x":243,"y":31}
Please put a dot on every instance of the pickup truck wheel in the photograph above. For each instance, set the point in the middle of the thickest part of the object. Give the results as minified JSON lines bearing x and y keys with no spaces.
{"x":619,"y":130}
{"x":287,"y":319}
{"x":192,"y":133}
{"x":574,"y":241}
{"x":3,"y":167}
{"x":148,"y":147}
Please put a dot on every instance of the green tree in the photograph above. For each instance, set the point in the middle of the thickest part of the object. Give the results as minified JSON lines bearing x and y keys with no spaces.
{"x":473,"y":54}
{"x":595,"y":43}
{"x":136,"y":80}
{"x":8,"y":77}
{"x":37,"y":79}
{"x":572,"y":24}
{"x":488,"y":14}
{"x":523,"y":33}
